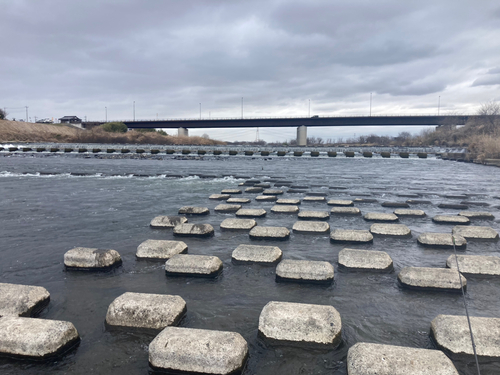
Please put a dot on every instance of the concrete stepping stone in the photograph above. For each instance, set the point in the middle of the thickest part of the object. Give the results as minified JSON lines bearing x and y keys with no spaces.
{"x":453,"y":206}
{"x":257,"y":254}
{"x":475,"y":232}
{"x":231,"y":191}
{"x":345,"y":211}
{"x":426,"y":278}
{"x":300,"y":324}
{"x":220,"y":197}
{"x":160,"y":249}
{"x":365,"y":260}
{"x":455,"y":196}
{"x":314,"y":215}
{"x":450,"y":219}
{"x":406,"y":212}
{"x":22,"y":300}
{"x":38,"y":339}
{"x":351,"y":235}
{"x":475,"y":203}
{"x":365,"y":200}
{"x":396,"y":204}
{"x":316,"y":194}
{"x":251,"y":182}
{"x":296,"y":191}
{"x":418,"y":201}
{"x":238,"y":200}
{"x":337,"y":187}
{"x":441,"y":240}
{"x":340,"y":202}
{"x":477,"y":215}
{"x":299,"y":187}
{"x":91,"y":259}
{"x":284,"y":209}
{"x":198,"y":351}
{"x":307,"y":271}
{"x":238,"y":224}
{"x":193,"y":265}
{"x":266,"y":198}
{"x":408,"y":195}
{"x":167,"y":221}
{"x":451,"y":334}
{"x":269,"y":233}
{"x":314,"y":199}
{"x":191,"y":210}
{"x":288,"y":201}
{"x":475,"y":264}
{"x":254,"y":190}
{"x":380,"y":216}
{"x":272,"y":192}
{"x":227,"y":207}
{"x":370,"y":359}
{"x":193,"y":230}
{"x":390,"y":230}
{"x":264,"y":185}
{"x":251,"y":212}
{"x":145,"y":310}
{"x":311,"y":227}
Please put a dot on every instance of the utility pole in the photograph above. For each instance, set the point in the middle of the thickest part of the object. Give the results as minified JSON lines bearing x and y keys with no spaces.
{"x":370,"y":104}
{"x":200,"y":111}
{"x":26,"y":113}
{"x":309,"y":107}
{"x":106,"y":114}
{"x":439,"y":104}
{"x":242,"y":108}
{"x":134,"y":110}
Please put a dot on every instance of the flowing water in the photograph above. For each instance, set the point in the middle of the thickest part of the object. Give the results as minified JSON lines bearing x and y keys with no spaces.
{"x":49,"y":205}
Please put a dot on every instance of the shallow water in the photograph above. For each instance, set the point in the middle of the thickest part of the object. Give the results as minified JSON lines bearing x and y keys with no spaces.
{"x":44,"y":215}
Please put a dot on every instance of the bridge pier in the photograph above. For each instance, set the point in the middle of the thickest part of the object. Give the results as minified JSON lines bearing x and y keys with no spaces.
{"x":182,"y":132}
{"x":302,"y":135}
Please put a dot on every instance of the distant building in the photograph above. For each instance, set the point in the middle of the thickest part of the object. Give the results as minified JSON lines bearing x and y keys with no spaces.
{"x":70,"y":120}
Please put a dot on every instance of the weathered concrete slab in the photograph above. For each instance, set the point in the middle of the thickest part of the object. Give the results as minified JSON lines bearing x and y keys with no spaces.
{"x":314,"y":215}
{"x":453,"y":206}
{"x":160,"y":249}
{"x":220,"y":197}
{"x":475,"y":203}
{"x":365,"y":260}
{"x":311,"y":227}
{"x":345,"y":211}
{"x":145,"y":310}
{"x":91,"y":259}
{"x":475,"y":232}
{"x":296,"y":191}
{"x":266,"y":198}
{"x":408,"y":195}
{"x":317,"y":193}
{"x":231,"y":191}
{"x":365,"y":200}
{"x":440,"y":279}
{"x":396,"y":204}
{"x":340,"y":202}
{"x":194,"y":230}
{"x":370,"y":359}
{"x":198,"y":351}
{"x":418,"y":201}
{"x":380,"y":216}
{"x":475,"y":264}
{"x":257,"y":254}
{"x":314,"y":199}
{"x":390,"y":230}
{"x":254,"y":190}
{"x":38,"y":339}
{"x":351,"y":235}
{"x":477,"y":215}
{"x":227,"y":207}
{"x":191,"y":210}
{"x":193,"y":265}
{"x":288,"y":201}
{"x":269,"y":233}
{"x":272,"y":192}
{"x":285,"y":209}
{"x":238,"y":224}
{"x":238,"y":200}
{"x":304,"y":271}
{"x":441,"y":240}
{"x":406,"y":212}
{"x":22,"y":300}
{"x":251,"y":212}
{"x":450,"y":219}
{"x":451,"y":334}
{"x":300,"y":323}
{"x":265,"y":185}
{"x":168,"y":221}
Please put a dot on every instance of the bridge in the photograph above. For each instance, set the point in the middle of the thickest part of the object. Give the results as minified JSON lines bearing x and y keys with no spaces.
{"x":300,"y":122}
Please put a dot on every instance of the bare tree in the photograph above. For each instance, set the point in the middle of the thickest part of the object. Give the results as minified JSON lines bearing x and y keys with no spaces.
{"x":489,"y":109}
{"x":3,"y":114}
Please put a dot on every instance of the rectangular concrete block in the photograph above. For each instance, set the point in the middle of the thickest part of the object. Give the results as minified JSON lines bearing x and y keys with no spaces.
{"x":308,"y":271}
{"x":193,"y":265}
{"x":22,"y":300}
{"x":160,"y":249}
{"x":257,"y":254}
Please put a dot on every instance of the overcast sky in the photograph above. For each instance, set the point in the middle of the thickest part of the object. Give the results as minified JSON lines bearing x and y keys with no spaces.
{"x":68,"y":57}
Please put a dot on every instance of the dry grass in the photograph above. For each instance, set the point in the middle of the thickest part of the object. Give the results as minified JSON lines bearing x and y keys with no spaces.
{"x":14,"y":131}
{"x":485,"y":146}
